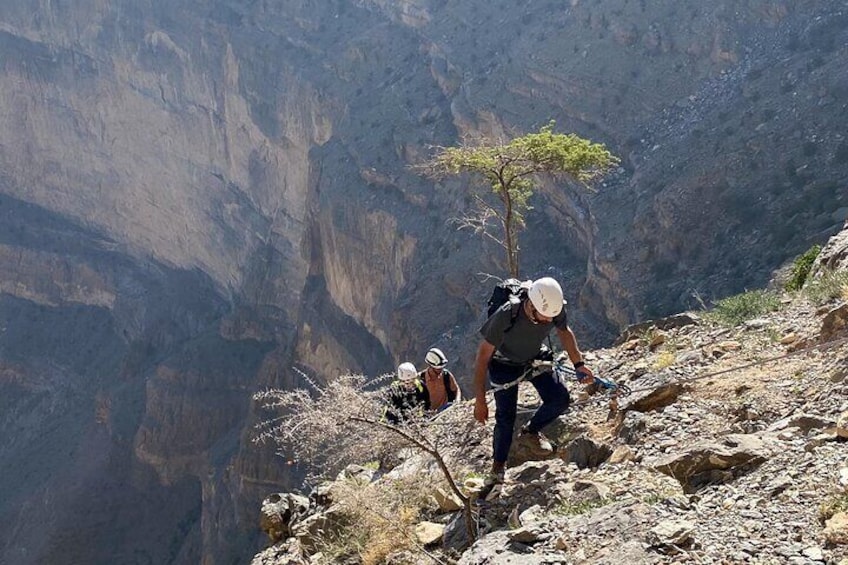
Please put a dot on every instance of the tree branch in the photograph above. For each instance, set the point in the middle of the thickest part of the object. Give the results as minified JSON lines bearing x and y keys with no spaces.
{"x":420,"y":444}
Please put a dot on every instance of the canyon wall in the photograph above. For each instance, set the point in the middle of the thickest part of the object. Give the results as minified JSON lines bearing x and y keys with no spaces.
{"x":198,"y":196}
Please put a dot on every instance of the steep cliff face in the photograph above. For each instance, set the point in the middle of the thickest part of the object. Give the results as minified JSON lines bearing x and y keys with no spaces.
{"x":197,"y":196}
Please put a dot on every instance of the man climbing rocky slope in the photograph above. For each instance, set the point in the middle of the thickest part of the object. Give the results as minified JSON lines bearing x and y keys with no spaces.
{"x":732,"y":448}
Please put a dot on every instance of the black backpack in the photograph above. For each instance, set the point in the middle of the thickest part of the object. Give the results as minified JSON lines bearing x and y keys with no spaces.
{"x":508,"y":290}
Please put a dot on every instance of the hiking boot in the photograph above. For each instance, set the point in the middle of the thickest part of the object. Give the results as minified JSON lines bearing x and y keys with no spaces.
{"x":491,"y":484}
{"x":494,"y":479}
{"x":536,"y":440}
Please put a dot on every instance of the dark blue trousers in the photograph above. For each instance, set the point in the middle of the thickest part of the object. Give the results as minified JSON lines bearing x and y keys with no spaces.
{"x":552,"y":391}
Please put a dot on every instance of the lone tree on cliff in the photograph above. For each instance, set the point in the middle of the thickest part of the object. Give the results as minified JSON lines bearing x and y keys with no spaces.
{"x":511,"y":169}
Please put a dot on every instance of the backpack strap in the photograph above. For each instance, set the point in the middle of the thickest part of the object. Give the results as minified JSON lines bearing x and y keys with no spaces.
{"x":514,"y":306}
{"x":446,"y":379}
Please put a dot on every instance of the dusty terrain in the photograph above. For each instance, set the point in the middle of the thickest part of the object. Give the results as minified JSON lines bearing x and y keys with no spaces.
{"x":731,"y":448}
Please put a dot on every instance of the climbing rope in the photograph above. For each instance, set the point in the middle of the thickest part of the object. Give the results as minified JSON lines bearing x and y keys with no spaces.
{"x":560,"y":367}
{"x":617,"y":390}
{"x":820,"y":347}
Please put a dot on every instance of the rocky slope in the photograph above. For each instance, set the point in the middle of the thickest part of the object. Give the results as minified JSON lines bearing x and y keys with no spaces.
{"x":197,"y":196}
{"x":731,"y":448}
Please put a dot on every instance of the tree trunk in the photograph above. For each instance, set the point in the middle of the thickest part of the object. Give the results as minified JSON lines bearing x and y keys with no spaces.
{"x":509,"y":238}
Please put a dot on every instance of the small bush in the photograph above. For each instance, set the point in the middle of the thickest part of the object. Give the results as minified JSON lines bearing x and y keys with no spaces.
{"x":331,"y":425}
{"x":801,"y":268}
{"x":581,"y":507}
{"x":734,"y":310}
{"x":833,"y":505}
{"x":829,"y":286}
{"x":664,"y":359}
{"x":381,"y":519}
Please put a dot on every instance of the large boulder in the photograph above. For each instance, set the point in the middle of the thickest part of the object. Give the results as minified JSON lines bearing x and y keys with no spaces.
{"x":586,"y":453}
{"x":668,"y":323}
{"x":834,"y":323}
{"x":834,"y":255}
{"x":653,"y":398}
{"x":315,"y":527}
{"x":836,"y":529}
{"x":501,"y":548}
{"x":842,"y":426}
{"x":279,"y":512}
{"x":714,"y":461}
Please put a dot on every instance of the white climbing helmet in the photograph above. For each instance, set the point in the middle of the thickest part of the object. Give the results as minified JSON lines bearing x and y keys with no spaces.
{"x":406,"y":371}
{"x":435,"y":358}
{"x":546,"y":296}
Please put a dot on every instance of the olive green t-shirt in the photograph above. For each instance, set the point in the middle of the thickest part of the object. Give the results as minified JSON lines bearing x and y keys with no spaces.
{"x":517,"y":343}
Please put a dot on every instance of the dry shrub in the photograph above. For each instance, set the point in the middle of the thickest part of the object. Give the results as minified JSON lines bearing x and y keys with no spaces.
{"x":318,"y":427}
{"x":380,"y":518}
{"x":827,"y":286}
{"x":664,"y":359}
{"x":341,"y":423}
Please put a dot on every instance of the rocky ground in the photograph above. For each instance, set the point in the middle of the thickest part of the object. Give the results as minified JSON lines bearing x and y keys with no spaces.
{"x":731,"y":448}
{"x":743,"y":467}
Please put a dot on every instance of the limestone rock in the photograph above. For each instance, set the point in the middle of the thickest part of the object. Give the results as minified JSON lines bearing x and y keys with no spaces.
{"x":284,"y":553}
{"x":834,"y":255}
{"x":834,"y":323}
{"x":621,"y":454}
{"x":279,"y":512}
{"x":585,"y":452}
{"x":789,"y":338}
{"x":672,"y":532}
{"x":311,"y":529}
{"x":842,"y":426}
{"x":632,"y":427}
{"x":499,"y":548}
{"x":429,"y":533}
{"x":447,"y":500}
{"x":804,"y":422}
{"x":648,"y":400}
{"x":667,"y":323}
{"x":836,"y":529}
{"x":700,"y":462}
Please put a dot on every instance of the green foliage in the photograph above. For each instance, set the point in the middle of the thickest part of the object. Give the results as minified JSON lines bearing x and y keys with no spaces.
{"x":664,"y":359}
{"x":801,"y":268}
{"x":829,"y":286}
{"x":734,"y":310}
{"x":510,"y":170}
{"x":833,"y":505}
{"x":576,"y":508}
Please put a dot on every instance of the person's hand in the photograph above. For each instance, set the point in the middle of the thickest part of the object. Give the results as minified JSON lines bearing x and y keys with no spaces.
{"x":481,"y":410}
{"x":585,"y":375}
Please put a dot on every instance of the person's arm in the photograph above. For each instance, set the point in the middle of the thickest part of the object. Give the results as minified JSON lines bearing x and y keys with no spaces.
{"x":481,"y":365}
{"x":455,"y":388}
{"x":569,"y":343}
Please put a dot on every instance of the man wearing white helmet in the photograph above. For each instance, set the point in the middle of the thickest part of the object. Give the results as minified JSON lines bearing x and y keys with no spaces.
{"x":406,"y":395}
{"x":511,"y":340}
{"x":432,"y":389}
{"x":439,"y":383}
